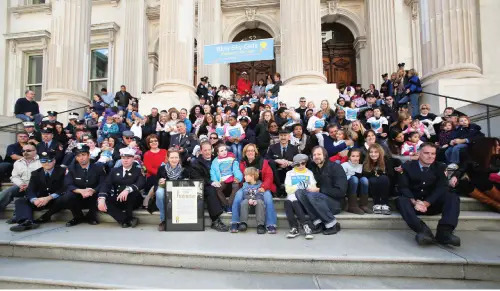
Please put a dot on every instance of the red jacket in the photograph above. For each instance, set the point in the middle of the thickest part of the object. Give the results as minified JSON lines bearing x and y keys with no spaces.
{"x":243,"y":85}
{"x":266,"y":175}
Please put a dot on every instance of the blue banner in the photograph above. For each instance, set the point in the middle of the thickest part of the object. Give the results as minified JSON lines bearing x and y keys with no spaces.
{"x":243,"y":51}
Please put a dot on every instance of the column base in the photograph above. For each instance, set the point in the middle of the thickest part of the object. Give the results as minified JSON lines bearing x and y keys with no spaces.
{"x":167,"y":100}
{"x":290,"y":94}
{"x":61,"y":103}
{"x":305,"y":78}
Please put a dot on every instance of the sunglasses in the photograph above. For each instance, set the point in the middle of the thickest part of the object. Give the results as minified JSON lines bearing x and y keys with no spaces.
{"x":27,"y":151}
{"x":126,"y":137}
{"x":302,"y":164}
{"x":214,"y":138}
{"x":44,"y":161}
{"x":302,"y":101}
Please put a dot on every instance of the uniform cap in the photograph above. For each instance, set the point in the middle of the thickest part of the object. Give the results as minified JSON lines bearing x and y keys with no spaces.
{"x":127,"y":152}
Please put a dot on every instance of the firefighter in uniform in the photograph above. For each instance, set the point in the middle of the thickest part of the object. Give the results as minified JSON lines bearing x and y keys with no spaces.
{"x":82,"y":182}
{"x":120,"y":193}
{"x":44,"y":191}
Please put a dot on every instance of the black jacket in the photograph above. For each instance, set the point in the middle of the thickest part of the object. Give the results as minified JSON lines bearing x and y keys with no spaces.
{"x":331,"y":179}
{"x":274,"y":152}
{"x":427,"y":186}
{"x":199,"y":170}
{"x":39,"y":186}
{"x":202,"y":90}
{"x":115,"y":182}
{"x":53,"y":147}
{"x":262,"y":135}
{"x":122,"y":98}
{"x":249,"y":137}
{"x":76,"y":178}
{"x":187,"y":143}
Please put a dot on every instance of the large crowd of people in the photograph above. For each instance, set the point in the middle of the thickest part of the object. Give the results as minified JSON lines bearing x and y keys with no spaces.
{"x":249,"y":147}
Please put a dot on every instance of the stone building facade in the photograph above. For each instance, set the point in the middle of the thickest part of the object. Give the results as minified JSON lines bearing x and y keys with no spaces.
{"x":67,"y":49}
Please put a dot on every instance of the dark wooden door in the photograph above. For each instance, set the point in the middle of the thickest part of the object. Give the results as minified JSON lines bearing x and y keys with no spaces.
{"x":256,"y":70}
{"x":339,"y":64}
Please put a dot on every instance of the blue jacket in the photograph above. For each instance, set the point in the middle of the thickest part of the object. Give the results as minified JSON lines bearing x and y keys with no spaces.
{"x":414,"y":85}
{"x":246,"y":187}
{"x":189,"y":125}
{"x":215,"y":174}
{"x":330,"y":148}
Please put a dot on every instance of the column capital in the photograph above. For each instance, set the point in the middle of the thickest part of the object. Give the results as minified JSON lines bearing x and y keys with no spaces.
{"x":414,"y":4}
{"x":359,"y":43}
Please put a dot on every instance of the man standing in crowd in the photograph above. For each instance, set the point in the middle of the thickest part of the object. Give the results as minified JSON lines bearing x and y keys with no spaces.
{"x":153,"y":118}
{"x":183,"y":141}
{"x":122,"y":98}
{"x":20,"y":177}
{"x":281,"y":154}
{"x":183,"y":117}
{"x":121,"y":190}
{"x":302,"y":107}
{"x":244,"y":85}
{"x":390,"y":109}
{"x":127,"y":138}
{"x":202,"y":89}
{"x":52,"y":119}
{"x":200,"y":169}
{"x":424,"y":190}
{"x":325,"y":200}
{"x":277,"y":83}
{"x":82,"y":183}
{"x":27,"y":109}
{"x":44,"y":190}
{"x":107,"y":98}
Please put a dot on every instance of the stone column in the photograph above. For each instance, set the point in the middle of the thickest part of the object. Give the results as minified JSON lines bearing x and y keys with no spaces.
{"x":209,"y":32}
{"x":416,"y":48}
{"x":449,"y":39}
{"x":175,"y":58}
{"x":68,"y":57}
{"x":176,"y":51}
{"x":135,"y":57}
{"x":381,"y":38}
{"x":301,"y":56}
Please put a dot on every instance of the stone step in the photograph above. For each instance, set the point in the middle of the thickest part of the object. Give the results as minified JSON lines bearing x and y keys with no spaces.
{"x":46,"y":274}
{"x":468,"y":220}
{"x":390,"y":253}
{"x":466,"y":203}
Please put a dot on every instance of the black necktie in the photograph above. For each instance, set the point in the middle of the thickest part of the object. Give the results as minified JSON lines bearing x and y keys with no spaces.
{"x":47,"y":145}
{"x":283,"y":150}
{"x":47,"y":177}
{"x":85,"y":172}
{"x":127,"y":172}
{"x":425,"y":169}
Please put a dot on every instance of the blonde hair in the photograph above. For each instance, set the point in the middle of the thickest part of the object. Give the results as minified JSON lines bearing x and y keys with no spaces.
{"x":245,"y":148}
{"x":352,"y":134}
{"x":251,"y":171}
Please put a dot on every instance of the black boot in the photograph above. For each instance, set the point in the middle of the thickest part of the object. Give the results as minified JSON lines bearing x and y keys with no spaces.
{"x":425,"y":236}
{"x":445,"y":236}
{"x":218,"y":225}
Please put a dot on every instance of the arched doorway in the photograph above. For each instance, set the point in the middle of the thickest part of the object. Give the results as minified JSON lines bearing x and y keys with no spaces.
{"x":258,"y":69}
{"x":339,"y":57}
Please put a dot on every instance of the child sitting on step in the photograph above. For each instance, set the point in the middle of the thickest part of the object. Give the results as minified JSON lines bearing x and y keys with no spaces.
{"x":251,"y":198}
{"x":297,"y":179}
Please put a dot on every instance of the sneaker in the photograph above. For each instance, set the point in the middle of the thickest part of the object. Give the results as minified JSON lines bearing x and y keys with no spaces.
{"x":234,"y":227}
{"x":377,"y":209}
{"x":271,"y":229}
{"x":229,"y":210}
{"x":261,"y":229}
{"x":332,"y":230}
{"x":242,"y":227}
{"x":293,"y":233}
{"x":218,"y":225}
{"x":318,"y":228}
{"x":386,"y":210}
{"x":308,"y":232}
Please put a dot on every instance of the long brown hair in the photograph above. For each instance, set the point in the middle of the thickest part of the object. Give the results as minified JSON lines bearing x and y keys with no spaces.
{"x":482,"y":151}
{"x":369,"y":165}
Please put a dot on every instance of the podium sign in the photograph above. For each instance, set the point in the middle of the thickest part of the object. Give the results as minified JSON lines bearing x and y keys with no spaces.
{"x":184,"y":209}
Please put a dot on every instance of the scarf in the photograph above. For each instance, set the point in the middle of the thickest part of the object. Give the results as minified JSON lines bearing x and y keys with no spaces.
{"x":173,"y":173}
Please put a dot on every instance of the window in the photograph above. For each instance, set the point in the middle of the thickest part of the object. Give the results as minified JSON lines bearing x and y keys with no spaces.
{"x":35,"y":73}
{"x":34,"y":2}
{"x":98,"y":70}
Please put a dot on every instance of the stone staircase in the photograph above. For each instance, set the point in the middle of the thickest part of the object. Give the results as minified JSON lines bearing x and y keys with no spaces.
{"x":372,"y":251}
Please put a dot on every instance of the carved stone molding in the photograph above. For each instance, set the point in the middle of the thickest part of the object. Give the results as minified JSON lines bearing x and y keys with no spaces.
{"x":333,"y":6}
{"x":31,"y":8}
{"x":359,"y":43}
{"x":414,"y":8}
{"x":153,"y":12}
{"x":250,"y":14}
{"x":113,"y":3}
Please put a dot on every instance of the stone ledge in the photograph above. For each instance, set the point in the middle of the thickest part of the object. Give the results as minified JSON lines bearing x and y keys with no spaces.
{"x":32,"y":8}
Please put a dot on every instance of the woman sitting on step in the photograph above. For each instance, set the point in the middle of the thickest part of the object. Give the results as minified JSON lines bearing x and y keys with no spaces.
{"x":478,"y":174}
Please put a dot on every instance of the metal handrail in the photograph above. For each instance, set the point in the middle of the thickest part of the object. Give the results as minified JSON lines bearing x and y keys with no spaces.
{"x":463,"y":100}
{"x":17,"y":123}
{"x":488,"y":125}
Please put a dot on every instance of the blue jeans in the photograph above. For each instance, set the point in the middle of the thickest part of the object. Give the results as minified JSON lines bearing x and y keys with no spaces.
{"x":355,"y":182}
{"x":8,"y":194}
{"x":37,"y":117}
{"x":320,"y":207}
{"x":453,"y":153}
{"x":236,"y":148}
{"x":413,"y":99}
{"x":271,"y":218}
{"x":160,"y":202}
